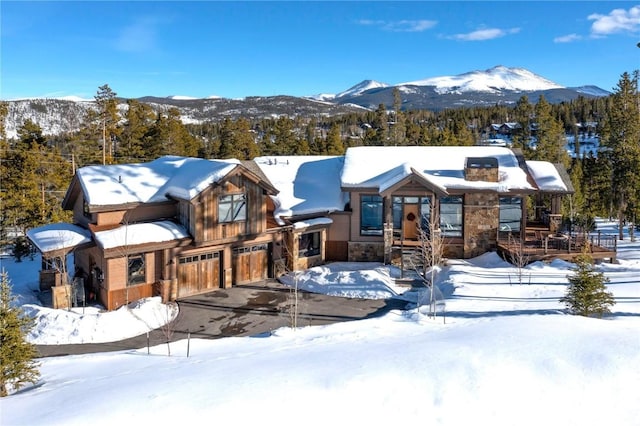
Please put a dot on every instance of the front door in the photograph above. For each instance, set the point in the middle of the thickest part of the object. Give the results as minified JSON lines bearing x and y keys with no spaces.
{"x":410,"y":221}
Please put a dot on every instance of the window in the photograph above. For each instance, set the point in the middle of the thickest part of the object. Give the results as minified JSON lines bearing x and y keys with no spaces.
{"x":309,"y":244}
{"x":451,"y":216}
{"x":136,"y":270}
{"x":398,"y":210}
{"x":510,"y":214}
{"x":371,"y":212}
{"x":232,"y":208}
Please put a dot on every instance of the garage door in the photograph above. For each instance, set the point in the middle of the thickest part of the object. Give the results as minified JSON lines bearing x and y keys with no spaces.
{"x":250,"y":264}
{"x":198,"y":273}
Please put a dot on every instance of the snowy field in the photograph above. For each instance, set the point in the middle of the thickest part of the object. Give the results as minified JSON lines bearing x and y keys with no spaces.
{"x":505,"y":354}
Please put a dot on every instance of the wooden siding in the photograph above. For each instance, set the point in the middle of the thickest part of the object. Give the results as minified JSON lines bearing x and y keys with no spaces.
{"x":142,"y":213}
{"x":206,"y":226}
{"x":337,"y":251}
{"x":123,"y":296}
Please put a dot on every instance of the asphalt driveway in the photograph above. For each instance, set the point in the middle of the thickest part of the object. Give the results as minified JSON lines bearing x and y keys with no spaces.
{"x":243,"y":311}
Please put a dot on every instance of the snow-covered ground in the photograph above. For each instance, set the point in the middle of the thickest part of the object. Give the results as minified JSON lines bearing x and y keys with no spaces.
{"x":504,"y":354}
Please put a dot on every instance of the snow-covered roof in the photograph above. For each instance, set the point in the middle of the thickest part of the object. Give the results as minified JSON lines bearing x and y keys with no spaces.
{"x":141,"y":233}
{"x":58,"y":236}
{"x":546,"y":176}
{"x":381,"y":166}
{"x":307,"y":184}
{"x":304,"y":224}
{"x":179,"y":177}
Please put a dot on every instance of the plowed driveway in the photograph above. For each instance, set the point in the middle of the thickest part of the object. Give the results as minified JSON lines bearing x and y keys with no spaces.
{"x":243,"y":311}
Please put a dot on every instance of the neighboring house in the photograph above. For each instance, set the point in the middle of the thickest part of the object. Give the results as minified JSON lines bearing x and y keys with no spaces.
{"x":181,"y":226}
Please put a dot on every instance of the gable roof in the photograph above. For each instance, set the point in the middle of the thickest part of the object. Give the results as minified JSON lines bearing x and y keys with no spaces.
{"x":156,"y":181}
{"x":441,"y":166}
{"x":307,"y":184}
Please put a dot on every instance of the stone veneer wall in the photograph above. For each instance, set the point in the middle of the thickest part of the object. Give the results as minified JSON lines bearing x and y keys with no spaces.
{"x":486,"y":174}
{"x":481,"y":221}
{"x":366,"y":251}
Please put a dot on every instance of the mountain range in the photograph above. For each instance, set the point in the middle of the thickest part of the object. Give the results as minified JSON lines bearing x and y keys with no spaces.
{"x":497,"y":85}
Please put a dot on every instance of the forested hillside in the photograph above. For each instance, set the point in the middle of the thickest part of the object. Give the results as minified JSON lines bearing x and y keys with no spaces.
{"x":36,"y":169}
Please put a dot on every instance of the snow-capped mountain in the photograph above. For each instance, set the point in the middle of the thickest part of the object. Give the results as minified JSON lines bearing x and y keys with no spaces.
{"x":476,"y":88}
{"x":492,"y":80}
{"x":362,"y":87}
{"x":591,"y":91}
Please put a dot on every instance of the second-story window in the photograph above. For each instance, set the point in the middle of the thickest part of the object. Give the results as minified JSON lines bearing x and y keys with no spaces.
{"x":232,"y":208}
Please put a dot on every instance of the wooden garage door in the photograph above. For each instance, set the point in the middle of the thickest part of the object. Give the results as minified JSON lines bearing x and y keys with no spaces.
{"x":198,"y":273}
{"x":250,"y":264}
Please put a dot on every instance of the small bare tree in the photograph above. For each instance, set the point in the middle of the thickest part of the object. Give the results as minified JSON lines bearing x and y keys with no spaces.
{"x":288,"y":268}
{"x":518,"y":257}
{"x":430,"y":256}
{"x":170,"y":322}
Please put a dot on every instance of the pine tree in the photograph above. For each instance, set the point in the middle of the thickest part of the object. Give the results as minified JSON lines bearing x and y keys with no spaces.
{"x":621,"y":134}
{"x":108,"y":117}
{"x":587,"y":293}
{"x":17,"y":356}
{"x":34,"y":179}
{"x":523,"y":112}
{"x":334,"y":141}
{"x":549,"y":135}
{"x":138,"y":120}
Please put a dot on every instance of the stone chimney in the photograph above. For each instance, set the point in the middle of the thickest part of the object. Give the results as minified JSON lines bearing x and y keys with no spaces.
{"x":481,"y":169}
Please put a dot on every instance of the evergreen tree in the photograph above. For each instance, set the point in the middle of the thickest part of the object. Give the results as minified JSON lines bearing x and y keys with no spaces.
{"x":168,"y":136}
{"x":587,"y":293}
{"x":108,"y":118}
{"x":596,"y":184}
{"x":34,"y":180}
{"x":550,"y":136}
{"x":17,"y":356}
{"x":334,"y":141}
{"x":236,"y":140}
{"x":522,"y":115}
{"x":621,"y":134}
{"x":138,"y":120}
{"x":398,"y":129}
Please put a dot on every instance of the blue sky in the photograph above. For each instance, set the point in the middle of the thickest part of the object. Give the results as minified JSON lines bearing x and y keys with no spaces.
{"x":237,"y":49}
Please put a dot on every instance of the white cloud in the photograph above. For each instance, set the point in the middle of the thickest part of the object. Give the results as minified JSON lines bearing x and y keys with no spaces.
{"x":567,"y":38}
{"x":617,"y":21}
{"x":484,"y":34}
{"x":137,"y":37}
{"x":405,"y":25}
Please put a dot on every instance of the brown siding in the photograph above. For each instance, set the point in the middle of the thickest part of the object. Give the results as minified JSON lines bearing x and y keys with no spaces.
{"x":143,"y":213}
{"x":205,"y":215}
{"x":121,"y":297}
{"x":337,"y":251}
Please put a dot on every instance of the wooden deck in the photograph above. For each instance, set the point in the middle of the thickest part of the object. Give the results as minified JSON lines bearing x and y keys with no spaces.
{"x":540,"y":244}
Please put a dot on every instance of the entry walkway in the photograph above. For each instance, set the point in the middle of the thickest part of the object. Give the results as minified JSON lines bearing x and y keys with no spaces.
{"x":242,"y":311}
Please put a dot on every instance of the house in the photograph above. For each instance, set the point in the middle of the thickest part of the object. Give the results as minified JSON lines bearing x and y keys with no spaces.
{"x":182,"y":226}
{"x":174,"y":226}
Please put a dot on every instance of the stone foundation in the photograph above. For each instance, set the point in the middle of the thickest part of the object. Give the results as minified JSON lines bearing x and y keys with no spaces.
{"x":366,"y":252}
